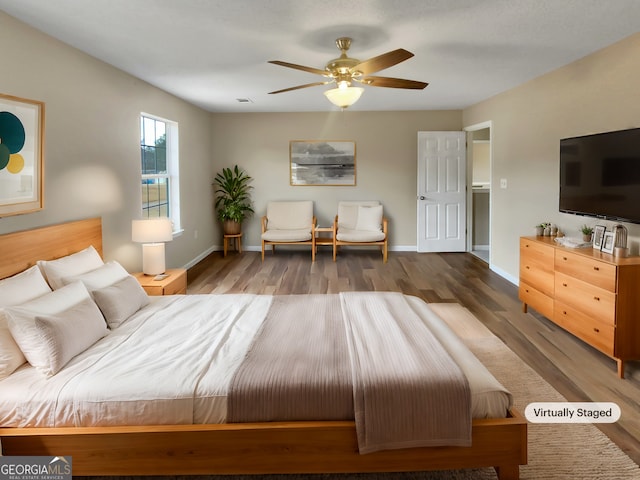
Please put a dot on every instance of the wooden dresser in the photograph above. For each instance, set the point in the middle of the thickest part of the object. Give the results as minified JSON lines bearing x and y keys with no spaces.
{"x":591,"y":294}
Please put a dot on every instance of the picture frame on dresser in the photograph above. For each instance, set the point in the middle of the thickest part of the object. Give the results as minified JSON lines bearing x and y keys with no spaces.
{"x":607,"y":242}
{"x":598,"y":235}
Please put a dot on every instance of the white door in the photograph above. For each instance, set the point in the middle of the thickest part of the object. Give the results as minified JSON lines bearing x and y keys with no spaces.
{"x":442,"y":191}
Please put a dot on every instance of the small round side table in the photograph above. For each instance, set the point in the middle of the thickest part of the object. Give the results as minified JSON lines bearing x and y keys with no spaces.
{"x":236,"y":239}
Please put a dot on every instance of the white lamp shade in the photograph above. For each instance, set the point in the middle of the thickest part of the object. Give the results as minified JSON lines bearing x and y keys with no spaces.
{"x":344,"y":97}
{"x":152,"y":230}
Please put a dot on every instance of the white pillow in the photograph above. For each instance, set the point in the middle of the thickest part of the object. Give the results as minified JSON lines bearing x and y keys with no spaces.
{"x":69,"y":333}
{"x":347,"y":216}
{"x":23,"y":287}
{"x":120,"y":300}
{"x":11,"y":356}
{"x":22,"y":319}
{"x":369,"y":218}
{"x":74,"y":264}
{"x":103,"y":276}
{"x":14,"y":290}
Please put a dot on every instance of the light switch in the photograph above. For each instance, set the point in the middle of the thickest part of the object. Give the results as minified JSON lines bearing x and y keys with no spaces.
{"x":503,"y":183}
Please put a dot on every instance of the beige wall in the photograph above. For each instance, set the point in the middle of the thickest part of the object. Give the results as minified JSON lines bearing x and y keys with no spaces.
{"x":386,"y":153}
{"x":595,"y":94}
{"x":92,"y":153}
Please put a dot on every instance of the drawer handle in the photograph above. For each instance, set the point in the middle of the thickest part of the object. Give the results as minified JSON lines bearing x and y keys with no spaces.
{"x":526,"y":290}
{"x":596,"y":330}
{"x":597,"y":299}
{"x":527,"y":267}
{"x":596,"y":269}
{"x":564,"y":285}
{"x":564,"y":258}
{"x":564,"y":312}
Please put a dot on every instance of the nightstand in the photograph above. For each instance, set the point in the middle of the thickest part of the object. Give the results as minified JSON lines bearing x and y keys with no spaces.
{"x":174,"y":284}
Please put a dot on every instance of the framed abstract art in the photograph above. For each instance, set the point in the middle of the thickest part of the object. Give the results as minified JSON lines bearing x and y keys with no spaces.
{"x":21,"y":155}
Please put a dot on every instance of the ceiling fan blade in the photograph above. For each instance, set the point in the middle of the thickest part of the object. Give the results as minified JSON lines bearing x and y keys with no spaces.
{"x":317,"y":71}
{"x":393,"y":83}
{"x":315,"y":84}
{"x":383,"y":61}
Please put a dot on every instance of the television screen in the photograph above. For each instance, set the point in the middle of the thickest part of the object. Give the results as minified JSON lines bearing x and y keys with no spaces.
{"x":600,"y":175}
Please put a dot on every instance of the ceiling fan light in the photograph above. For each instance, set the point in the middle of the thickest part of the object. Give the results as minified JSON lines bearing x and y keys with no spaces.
{"x":344,"y":97}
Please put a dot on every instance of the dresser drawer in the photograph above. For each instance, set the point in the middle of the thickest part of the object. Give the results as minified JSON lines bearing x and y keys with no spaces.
{"x":534,"y":275}
{"x":536,"y":265}
{"x":537,"y":253}
{"x":598,"y":334}
{"x":177,"y":287}
{"x":593,"y":301}
{"x":592,"y":271}
{"x":536,"y":299}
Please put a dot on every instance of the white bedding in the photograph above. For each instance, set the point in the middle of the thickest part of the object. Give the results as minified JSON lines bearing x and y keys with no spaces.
{"x":172,"y":362}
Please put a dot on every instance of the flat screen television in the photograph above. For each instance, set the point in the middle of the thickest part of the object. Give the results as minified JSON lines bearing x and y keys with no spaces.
{"x":600,"y":175}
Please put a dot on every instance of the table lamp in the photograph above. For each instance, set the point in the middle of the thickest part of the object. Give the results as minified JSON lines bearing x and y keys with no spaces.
{"x":152,"y":233}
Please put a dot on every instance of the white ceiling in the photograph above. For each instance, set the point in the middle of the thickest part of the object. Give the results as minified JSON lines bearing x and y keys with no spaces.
{"x":213,"y":52}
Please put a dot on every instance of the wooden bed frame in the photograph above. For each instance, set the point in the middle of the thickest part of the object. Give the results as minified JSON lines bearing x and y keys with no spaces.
{"x":249,"y":448}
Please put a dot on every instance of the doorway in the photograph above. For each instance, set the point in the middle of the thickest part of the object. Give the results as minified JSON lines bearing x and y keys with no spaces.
{"x":479,"y":197}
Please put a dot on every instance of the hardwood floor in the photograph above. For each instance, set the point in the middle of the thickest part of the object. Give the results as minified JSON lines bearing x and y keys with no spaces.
{"x":577,"y":371}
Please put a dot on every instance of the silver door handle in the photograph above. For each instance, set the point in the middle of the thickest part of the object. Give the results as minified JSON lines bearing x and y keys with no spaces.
{"x":421,"y":197}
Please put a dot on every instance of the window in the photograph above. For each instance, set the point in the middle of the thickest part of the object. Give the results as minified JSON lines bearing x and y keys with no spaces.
{"x":160,"y":173}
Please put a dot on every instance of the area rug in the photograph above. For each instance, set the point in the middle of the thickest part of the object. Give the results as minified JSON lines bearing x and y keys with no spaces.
{"x":556,"y":451}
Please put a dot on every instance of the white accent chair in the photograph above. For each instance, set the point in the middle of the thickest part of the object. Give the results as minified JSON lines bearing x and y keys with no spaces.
{"x":289,"y":223}
{"x":360,"y":223}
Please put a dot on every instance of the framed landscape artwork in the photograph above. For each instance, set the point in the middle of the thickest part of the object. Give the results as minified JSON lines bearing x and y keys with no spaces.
{"x":21,"y":146}
{"x":322,"y":162}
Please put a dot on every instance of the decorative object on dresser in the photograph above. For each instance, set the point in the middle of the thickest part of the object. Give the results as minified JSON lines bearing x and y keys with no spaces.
{"x":607,"y":242}
{"x":598,"y":235}
{"x":152,"y":233}
{"x":588,"y":293}
{"x":173,"y":282}
{"x":620,"y":248}
{"x":587,"y":232}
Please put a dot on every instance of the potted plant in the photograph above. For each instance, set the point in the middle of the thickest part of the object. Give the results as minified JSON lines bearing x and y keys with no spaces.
{"x":586,"y":233}
{"x":233,"y":200}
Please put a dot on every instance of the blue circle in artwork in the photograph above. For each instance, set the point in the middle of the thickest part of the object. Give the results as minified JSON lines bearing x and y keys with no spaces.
{"x":4,"y":156}
{"x":12,"y":133}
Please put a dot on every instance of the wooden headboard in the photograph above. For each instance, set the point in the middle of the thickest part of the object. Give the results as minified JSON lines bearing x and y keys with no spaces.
{"x":21,"y":250}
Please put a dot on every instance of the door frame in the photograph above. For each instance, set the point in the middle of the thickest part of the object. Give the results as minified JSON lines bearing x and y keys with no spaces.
{"x":469,"y":131}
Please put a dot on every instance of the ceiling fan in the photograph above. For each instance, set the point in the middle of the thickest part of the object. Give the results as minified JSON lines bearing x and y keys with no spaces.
{"x":344,"y":71}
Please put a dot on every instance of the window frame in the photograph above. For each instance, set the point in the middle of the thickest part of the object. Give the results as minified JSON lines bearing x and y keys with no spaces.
{"x":172,"y":175}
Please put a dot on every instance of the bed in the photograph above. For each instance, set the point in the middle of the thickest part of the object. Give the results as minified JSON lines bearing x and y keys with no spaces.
{"x":171,"y":444}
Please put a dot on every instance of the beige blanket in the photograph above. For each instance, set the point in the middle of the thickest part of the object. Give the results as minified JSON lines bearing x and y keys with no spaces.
{"x":362,"y":356}
{"x":297,"y":367}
